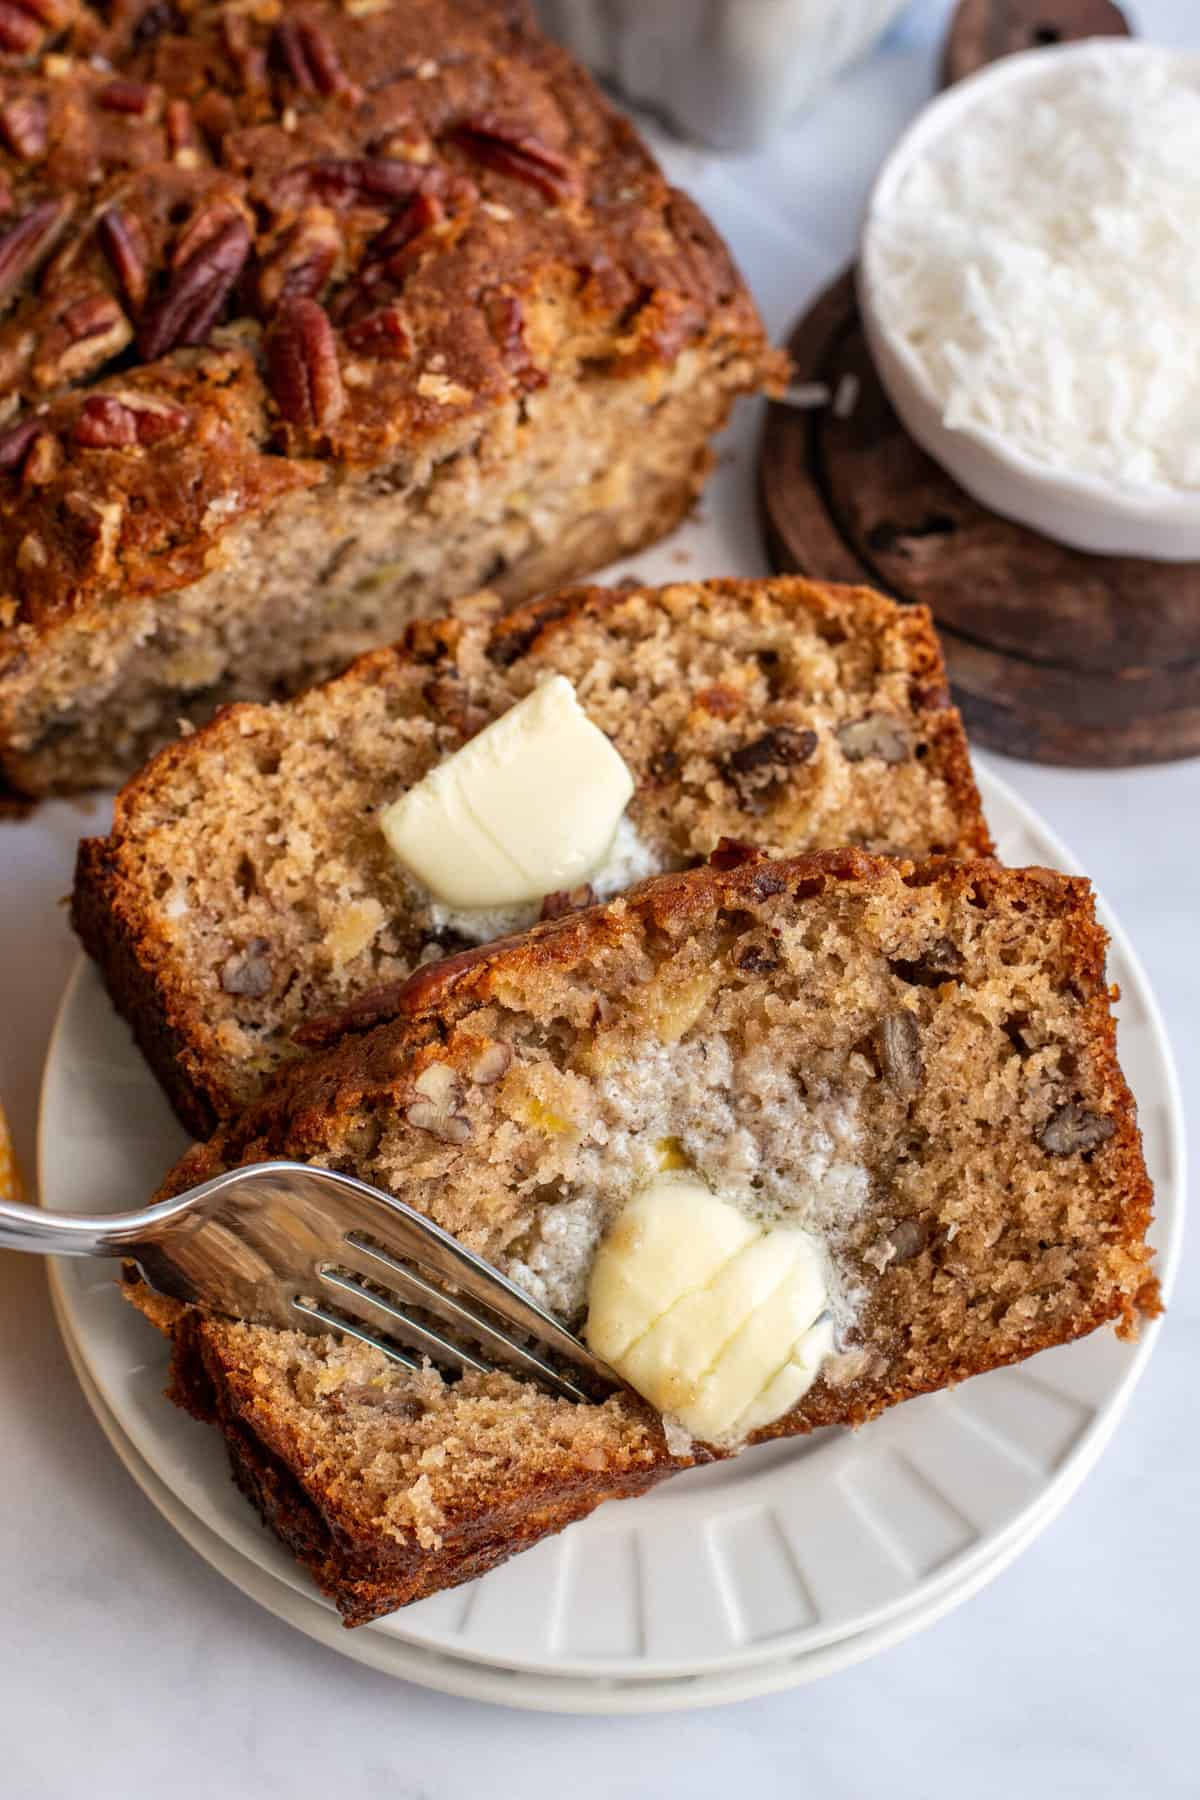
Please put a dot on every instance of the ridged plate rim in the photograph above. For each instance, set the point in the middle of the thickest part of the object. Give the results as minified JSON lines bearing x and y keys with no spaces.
{"x":714,"y":1570}
{"x":495,"y":1685}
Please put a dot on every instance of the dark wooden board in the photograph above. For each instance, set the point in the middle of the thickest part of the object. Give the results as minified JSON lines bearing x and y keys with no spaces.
{"x":1053,"y":654}
{"x":983,"y":30}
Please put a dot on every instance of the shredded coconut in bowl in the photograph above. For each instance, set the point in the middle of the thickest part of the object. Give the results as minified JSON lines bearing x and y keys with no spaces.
{"x":1040,"y":259}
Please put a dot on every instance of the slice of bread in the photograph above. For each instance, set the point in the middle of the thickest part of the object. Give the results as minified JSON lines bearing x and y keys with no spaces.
{"x":246,"y":886}
{"x":916,"y":1063}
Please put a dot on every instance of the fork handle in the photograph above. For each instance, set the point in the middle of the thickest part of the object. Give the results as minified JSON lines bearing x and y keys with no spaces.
{"x":69,"y":1234}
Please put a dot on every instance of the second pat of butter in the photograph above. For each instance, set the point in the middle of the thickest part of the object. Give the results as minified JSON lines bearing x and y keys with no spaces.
{"x":719,"y":1322}
{"x":526,"y":808}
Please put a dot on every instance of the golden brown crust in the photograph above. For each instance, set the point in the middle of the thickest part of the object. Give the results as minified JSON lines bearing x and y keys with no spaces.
{"x":450,"y":675}
{"x":362,"y":1572}
{"x":1053,"y":1248}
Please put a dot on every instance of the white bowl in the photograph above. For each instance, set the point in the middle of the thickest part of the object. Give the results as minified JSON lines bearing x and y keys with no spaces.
{"x":728,"y":72}
{"x":1080,"y":509}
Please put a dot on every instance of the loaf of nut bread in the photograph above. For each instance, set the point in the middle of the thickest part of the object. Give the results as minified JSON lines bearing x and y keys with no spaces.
{"x":246,"y":889}
{"x":312,"y":317}
{"x":915,"y":1063}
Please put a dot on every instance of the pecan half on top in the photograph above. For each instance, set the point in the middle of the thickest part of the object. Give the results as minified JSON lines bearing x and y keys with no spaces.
{"x":385,"y":334}
{"x":196,"y":291}
{"x":109,"y":422}
{"x":381,"y":181}
{"x":511,"y":149}
{"x":300,"y":261}
{"x":16,"y":442}
{"x":23,"y":245}
{"x":24,"y":122}
{"x":135,"y":98}
{"x":506,"y":322}
{"x":123,"y":243}
{"x":80,"y":338}
{"x":20,"y":31}
{"x":302,"y":366}
{"x":305,"y":51}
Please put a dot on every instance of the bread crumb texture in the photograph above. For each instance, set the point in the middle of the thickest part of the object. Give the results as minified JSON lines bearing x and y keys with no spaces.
{"x":247,"y":890}
{"x":915,"y":1063}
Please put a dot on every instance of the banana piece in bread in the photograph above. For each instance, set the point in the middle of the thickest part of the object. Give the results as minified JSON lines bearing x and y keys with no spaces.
{"x":247,"y":886}
{"x":915,"y":1064}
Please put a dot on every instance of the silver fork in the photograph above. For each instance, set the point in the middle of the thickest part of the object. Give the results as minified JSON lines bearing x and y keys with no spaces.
{"x":282,"y":1243}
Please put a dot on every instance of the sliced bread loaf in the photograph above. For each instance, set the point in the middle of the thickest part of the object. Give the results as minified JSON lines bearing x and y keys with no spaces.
{"x":915,"y":1064}
{"x":246,"y":886}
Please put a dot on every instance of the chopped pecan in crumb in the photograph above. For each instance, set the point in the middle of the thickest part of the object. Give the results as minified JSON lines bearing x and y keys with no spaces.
{"x":781,"y":747}
{"x":754,"y":959}
{"x":302,"y":361}
{"x":877,"y":734}
{"x":906,"y":1240}
{"x":248,"y":972}
{"x":439,"y":1094}
{"x":491,"y":1063}
{"x":942,"y":961}
{"x":897,"y":1042}
{"x":758,"y":769}
{"x":1073,"y":1128}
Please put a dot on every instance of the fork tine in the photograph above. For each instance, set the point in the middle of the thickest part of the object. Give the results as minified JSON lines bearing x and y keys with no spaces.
{"x":379,"y":1265}
{"x":330,"y":1322}
{"x":354,"y":1297}
{"x":419,"y":1239}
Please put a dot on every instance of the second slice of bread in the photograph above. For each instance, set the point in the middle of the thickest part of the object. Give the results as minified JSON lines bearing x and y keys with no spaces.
{"x":246,"y":887}
{"x":915,"y":1064}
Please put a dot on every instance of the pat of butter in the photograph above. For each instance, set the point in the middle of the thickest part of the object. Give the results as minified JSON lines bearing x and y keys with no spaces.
{"x":526,"y":808}
{"x":717,"y":1321}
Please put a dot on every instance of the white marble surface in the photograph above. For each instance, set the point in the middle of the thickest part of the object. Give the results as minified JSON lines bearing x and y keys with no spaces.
{"x":128,"y":1666}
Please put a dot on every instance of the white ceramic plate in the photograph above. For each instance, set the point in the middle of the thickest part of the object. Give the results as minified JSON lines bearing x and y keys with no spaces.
{"x":512,"y":1687}
{"x":789,"y":1549}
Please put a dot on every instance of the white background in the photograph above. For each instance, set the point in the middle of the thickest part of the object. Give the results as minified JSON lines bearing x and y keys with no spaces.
{"x":128,"y":1667}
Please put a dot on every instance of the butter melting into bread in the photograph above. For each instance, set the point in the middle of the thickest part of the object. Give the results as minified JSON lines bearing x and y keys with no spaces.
{"x":312,"y":318}
{"x":913,"y":1065}
{"x":248,"y":886}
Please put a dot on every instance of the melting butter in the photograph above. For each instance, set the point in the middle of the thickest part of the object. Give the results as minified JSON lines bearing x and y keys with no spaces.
{"x":528,"y":807}
{"x":718,"y":1321}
